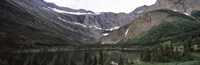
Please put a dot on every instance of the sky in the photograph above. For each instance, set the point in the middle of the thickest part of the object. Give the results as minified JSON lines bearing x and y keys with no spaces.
{"x":103,"y":5}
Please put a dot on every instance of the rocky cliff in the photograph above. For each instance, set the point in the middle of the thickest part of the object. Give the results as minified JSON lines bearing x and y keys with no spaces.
{"x":184,"y":6}
{"x":31,"y":23}
{"x":147,"y":19}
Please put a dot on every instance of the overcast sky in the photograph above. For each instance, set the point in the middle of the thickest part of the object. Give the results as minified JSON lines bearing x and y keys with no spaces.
{"x":103,"y":5}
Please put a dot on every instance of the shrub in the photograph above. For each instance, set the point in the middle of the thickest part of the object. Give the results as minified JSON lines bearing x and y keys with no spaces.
{"x":195,"y":13}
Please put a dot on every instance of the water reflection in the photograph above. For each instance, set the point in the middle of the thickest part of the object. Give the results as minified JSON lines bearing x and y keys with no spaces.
{"x":69,"y":58}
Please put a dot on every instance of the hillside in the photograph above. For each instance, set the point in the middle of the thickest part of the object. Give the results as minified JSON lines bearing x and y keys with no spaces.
{"x":35,"y":32}
{"x":184,"y":6}
{"x":154,"y":27}
{"x":24,"y":25}
{"x":55,"y":25}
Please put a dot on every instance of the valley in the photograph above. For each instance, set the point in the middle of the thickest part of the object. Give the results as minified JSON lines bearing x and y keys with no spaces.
{"x":35,"y":32}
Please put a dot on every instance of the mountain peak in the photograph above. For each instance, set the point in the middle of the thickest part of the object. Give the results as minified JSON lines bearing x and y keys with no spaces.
{"x":179,"y":5}
{"x":144,"y":23}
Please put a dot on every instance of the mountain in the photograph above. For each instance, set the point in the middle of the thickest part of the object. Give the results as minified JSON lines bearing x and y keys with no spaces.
{"x":154,"y":27}
{"x":28,"y":23}
{"x":185,"y":6}
{"x":32,"y":23}
{"x":103,"y":21}
{"x":140,"y":10}
{"x":52,"y":5}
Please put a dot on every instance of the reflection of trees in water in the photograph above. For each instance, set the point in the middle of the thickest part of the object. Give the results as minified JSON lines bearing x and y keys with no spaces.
{"x":62,"y":58}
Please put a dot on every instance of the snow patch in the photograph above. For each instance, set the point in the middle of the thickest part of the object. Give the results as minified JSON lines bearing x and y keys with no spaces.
{"x":80,"y":24}
{"x":175,"y":10}
{"x":72,"y":22}
{"x":90,"y":26}
{"x":126,"y":32}
{"x":62,"y":19}
{"x":186,"y":14}
{"x":75,"y":13}
{"x":140,"y":11}
{"x":114,"y":63}
{"x":105,"y":34}
{"x":114,"y":28}
{"x":95,"y":27}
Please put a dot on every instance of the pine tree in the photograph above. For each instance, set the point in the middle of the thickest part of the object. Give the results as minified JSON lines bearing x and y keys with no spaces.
{"x":95,"y":62}
{"x":56,"y":60}
{"x":121,"y":61}
{"x":71,"y":62}
{"x":146,"y":55}
{"x":101,"y":58}
{"x":86,"y":58}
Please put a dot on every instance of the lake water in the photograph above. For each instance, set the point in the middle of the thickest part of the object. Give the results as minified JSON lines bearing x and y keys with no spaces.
{"x":64,"y":57}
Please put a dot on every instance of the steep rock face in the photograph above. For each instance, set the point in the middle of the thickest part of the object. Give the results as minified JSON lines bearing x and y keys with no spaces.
{"x":108,"y":20}
{"x":185,"y":6}
{"x":140,"y":10}
{"x":50,"y":24}
{"x":144,"y":22}
{"x":103,"y":20}
{"x":140,"y":30}
{"x":28,"y":23}
{"x":138,"y":26}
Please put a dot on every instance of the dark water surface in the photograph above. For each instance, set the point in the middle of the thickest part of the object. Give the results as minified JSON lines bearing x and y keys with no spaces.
{"x":64,"y":57}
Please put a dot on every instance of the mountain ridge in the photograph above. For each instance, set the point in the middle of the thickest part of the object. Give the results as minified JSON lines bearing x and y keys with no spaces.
{"x":48,"y":21}
{"x":144,"y":23}
{"x":182,"y":6}
{"x":52,"y":28}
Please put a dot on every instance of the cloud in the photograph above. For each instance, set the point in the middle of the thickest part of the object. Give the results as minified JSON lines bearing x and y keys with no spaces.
{"x":104,"y":5}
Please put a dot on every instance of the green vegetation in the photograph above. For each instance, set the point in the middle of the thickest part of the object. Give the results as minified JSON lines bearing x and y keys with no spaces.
{"x":121,"y":61}
{"x":15,"y":30}
{"x":196,"y":62}
{"x":175,"y":31}
{"x":101,"y":58}
{"x":170,"y":43}
{"x":173,"y":42}
{"x":166,"y":53}
{"x":195,"y":13}
{"x":71,"y":62}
